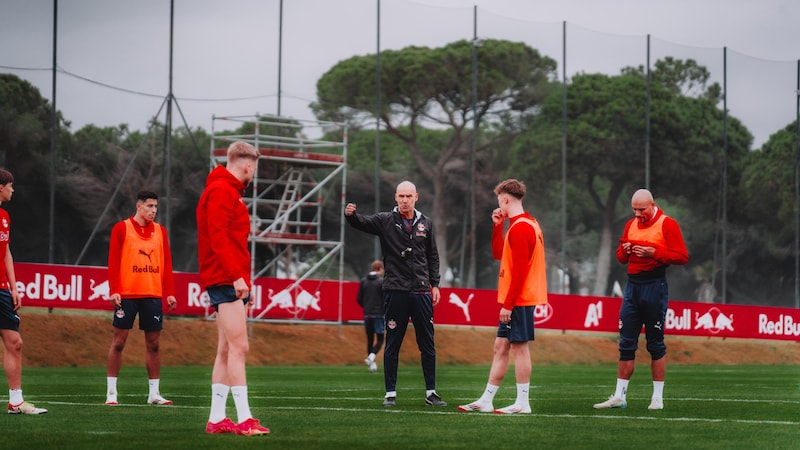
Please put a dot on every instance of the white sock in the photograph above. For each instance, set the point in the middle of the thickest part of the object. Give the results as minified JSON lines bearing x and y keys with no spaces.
{"x":393,"y":394}
{"x":523,"y":398}
{"x":15,"y":396}
{"x":658,"y":389}
{"x":488,"y":394}
{"x":219,"y":400}
{"x":428,"y":392}
{"x":240,"y":400}
{"x":111,"y":382}
{"x":153,"y":387}
{"x":622,"y":389}
{"x":371,"y":357}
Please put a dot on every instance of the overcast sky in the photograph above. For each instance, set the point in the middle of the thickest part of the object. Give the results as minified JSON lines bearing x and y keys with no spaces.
{"x":225,"y":56}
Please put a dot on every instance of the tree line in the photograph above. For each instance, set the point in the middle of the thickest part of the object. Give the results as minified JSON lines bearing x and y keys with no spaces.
{"x":428,"y":106}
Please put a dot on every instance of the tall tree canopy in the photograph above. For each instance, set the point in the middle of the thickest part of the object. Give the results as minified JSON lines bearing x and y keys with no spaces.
{"x":606,"y":130}
{"x":424,"y":87}
{"x":766,"y":218}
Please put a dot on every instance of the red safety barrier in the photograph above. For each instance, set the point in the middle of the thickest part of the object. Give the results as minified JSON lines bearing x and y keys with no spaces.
{"x":84,"y":287}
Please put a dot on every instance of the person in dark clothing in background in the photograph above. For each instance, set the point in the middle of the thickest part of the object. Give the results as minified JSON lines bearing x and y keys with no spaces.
{"x":370,"y":298}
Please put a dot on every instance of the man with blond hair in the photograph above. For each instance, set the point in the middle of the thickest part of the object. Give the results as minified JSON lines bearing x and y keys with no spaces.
{"x":223,"y":228}
{"x":521,"y":285}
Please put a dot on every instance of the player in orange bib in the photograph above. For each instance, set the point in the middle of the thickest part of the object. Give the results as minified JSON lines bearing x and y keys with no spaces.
{"x":651,"y":242}
{"x":521,"y":285}
{"x":139,"y":276}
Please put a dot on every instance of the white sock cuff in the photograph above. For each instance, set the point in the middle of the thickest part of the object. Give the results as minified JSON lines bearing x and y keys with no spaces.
{"x":15,"y":396}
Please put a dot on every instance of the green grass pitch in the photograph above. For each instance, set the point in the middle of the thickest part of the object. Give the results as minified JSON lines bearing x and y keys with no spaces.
{"x":333,"y":407}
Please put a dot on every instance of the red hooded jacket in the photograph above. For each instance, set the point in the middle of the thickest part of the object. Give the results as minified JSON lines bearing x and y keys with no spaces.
{"x":223,"y":226}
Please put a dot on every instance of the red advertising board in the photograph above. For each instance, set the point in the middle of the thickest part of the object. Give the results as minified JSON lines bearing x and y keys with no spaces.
{"x":82,"y":287}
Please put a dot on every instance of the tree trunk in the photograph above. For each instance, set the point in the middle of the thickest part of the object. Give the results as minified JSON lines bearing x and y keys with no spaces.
{"x":439,"y":216}
{"x":603,"y":260}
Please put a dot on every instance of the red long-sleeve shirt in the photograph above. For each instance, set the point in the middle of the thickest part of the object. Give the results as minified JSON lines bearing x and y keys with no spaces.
{"x":671,"y":250}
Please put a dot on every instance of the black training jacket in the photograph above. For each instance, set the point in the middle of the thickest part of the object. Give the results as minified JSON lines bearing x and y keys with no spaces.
{"x":410,"y":259}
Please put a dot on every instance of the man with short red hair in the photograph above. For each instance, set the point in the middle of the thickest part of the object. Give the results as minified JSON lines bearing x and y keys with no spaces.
{"x":521,"y":285}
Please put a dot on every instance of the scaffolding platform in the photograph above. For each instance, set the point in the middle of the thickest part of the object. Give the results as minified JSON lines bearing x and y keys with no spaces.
{"x":292,"y":156}
{"x":295,"y":176}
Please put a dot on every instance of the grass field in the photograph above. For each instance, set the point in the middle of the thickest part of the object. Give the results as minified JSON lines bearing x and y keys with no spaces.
{"x":329,"y":407}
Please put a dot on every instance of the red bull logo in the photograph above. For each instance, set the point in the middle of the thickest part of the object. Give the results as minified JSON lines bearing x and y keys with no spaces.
{"x":47,"y":287}
{"x":542,"y":313}
{"x":784,"y":326}
{"x":713,"y":321}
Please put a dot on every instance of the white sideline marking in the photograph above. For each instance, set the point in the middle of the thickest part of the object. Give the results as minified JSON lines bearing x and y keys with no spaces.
{"x":399,"y":410}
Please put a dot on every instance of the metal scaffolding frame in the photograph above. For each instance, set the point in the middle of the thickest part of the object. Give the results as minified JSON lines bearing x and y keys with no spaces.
{"x":287,"y":194}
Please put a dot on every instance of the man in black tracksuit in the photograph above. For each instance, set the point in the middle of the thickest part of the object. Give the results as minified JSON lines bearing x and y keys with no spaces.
{"x":410,"y":284}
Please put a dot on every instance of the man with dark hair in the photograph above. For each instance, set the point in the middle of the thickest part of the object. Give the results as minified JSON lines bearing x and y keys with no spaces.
{"x":521,"y":285}
{"x":410,"y":286}
{"x":10,"y":302}
{"x":139,"y":276}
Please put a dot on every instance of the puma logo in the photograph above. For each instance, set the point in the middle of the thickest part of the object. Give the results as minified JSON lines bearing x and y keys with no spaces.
{"x":142,"y":252}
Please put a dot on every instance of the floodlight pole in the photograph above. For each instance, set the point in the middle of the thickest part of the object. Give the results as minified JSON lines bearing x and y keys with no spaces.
{"x":280,"y":53}
{"x":53,"y":142}
{"x":724,"y":261}
{"x":563,"y":253}
{"x":376,"y":243}
{"x":647,"y":123}
{"x":470,"y":276}
{"x":797,"y":192}
{"x":166,"y":175}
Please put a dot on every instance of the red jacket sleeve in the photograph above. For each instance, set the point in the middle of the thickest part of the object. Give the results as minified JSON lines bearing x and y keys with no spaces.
{"x":114,"y":256}
{"x":497,"y":241}
{"x":622,"y":257}
{"x":675,"y":252}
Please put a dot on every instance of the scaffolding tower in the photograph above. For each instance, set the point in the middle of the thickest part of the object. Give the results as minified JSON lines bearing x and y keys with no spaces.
{"x":295,"y":177}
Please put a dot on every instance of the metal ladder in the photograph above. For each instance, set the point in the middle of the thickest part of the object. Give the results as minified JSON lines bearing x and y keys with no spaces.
{"x":293,"y":181}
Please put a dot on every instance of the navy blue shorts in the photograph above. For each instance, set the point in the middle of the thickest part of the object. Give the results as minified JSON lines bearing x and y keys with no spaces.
{"x":223,"y":294}
{"x":9,"y":320}
{"x":520,"y":327}
{"x":376,"y":324}
{"x":643,"y":304}
{"x":149,"y":310}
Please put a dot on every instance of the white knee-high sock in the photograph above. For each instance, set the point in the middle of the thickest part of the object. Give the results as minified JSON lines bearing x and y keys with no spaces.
{"x":154,"y":386}
{"x":111,"y":383}
{"x":242,"y":405}
{"x":488,"y":394}
{"x":658,"y":389}
{"x":219,"y":400}
{"x":622,"y":389}
{"x":15,"y":396}
{"x":523,"y":398}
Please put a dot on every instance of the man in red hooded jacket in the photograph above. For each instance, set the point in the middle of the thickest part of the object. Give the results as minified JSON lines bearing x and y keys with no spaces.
{"x":223,"y":227}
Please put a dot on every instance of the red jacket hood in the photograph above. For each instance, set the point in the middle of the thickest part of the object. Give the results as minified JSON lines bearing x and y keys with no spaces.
{"x":220,"y":173}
